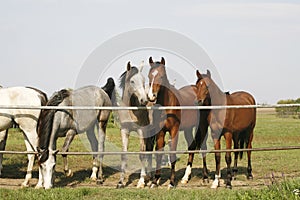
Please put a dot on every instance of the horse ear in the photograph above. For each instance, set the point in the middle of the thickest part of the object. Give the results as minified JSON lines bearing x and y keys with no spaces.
{"x":141,"y":66}
{"x":208,"y":73}
{"x":128,"y":66}
{"x":162,"y":61}
{"x":150,"y":60}
{"x":198,"y":74}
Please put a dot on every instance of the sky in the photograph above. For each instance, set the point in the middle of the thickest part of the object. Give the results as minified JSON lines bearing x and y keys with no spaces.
{"x":254,"y":45}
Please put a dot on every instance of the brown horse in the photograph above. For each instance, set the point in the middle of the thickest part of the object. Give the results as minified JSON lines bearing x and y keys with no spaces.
{"x":233,"y":124}
{"x":164,"y":94}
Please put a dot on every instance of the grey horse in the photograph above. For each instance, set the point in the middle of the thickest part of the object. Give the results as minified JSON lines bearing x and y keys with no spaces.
{"x":67,"y":123}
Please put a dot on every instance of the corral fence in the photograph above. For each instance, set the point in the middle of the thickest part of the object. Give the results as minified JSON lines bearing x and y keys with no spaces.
{"x":115,"y":108}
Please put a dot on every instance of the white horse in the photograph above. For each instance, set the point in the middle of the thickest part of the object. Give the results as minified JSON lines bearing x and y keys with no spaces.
{"x":25,"y":118}
{"x":132,"y":83}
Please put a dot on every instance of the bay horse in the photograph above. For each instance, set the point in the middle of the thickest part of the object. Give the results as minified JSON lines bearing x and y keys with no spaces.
{"x":26,"y":119}
{"x":234,"y":124}
{"x":132,"y":83}
{"x":165,"y":94}
{"x":67,"y":123}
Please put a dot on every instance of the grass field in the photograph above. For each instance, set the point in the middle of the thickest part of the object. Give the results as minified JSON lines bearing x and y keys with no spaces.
{"x":276,"y":173}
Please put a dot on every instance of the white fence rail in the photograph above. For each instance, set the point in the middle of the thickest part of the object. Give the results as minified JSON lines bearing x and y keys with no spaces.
{"x":145,"y":108}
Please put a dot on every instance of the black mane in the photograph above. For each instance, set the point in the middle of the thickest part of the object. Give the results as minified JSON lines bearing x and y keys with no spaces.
{"x":109,"y":87}
{"x":45,"y":122}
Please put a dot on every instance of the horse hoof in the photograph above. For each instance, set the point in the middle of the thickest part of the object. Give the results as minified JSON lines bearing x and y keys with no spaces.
{"x":250,"y":177}
{"x":140,"y":185}
{"x":153,"y":185}
{"x":93,"y":178}
{"x":170,"y":187}
{"x":229,"y":186}
{"x":206,"y":181}
{"x":120,"y":186}
{"x":215,"y":184}
{"x":233,"y":178}
{"x":38,"y":187}
{"x":184,"y":181}
{"x":24,"y":185}
{"x":99,"y":182}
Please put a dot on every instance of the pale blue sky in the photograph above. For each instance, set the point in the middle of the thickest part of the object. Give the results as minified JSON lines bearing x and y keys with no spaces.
{"x":255,"y":45}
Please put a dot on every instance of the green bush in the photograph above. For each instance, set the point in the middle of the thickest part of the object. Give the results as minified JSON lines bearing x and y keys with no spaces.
{"x":285,"y":112}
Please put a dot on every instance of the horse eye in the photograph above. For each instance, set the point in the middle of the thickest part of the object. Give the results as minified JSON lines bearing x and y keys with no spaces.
{"x":132,"y":82}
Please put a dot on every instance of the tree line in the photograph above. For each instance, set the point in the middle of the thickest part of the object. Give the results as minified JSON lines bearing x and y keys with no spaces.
{"x":289,"y":111}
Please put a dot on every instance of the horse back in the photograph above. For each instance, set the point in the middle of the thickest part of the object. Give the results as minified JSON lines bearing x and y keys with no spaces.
{"x":189,"y":118}
{"x":244,"y":118}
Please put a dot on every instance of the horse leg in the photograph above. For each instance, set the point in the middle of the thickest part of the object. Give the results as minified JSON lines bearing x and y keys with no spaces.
{"x":149,"y":147}
{"x":174,"y":141}
{"x":160,"y":143}
{"x":69,"y":138}
{"x":236,"y":155}
{"x":31,"y":139}
{"x":249,"y":146}
{"x":141,"y":183}
{"x":3,"y":138}
{"x":228,"y":138}
{"x":101,"y":148}
{"x":205,"y":170}
{"x":191,"y":146}
{"x":125,"y":139}
{"x":94,"y":146}
{"x":216,"y":182}
{"x":202,"y":137}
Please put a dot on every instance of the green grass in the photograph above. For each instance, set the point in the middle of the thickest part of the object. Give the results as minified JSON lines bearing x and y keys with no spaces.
{"x":276,"y":173}
{"x":277,"y":191}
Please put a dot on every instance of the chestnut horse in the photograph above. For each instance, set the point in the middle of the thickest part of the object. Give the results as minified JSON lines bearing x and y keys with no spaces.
{"x":233,"y":124}
{"x":164,"y":94}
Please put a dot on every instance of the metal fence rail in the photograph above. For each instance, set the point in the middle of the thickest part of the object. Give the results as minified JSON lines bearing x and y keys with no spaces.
{"x":145,"y":108}
{"x":163,"y":152}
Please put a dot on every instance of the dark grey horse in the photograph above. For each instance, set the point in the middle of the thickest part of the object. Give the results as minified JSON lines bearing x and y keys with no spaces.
{"x":67,"y":123}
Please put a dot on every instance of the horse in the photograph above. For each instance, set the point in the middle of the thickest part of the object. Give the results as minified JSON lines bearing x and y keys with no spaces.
{"x":26,"y":119}
{"x":132,"y":83}
{"x":235,"y":125}
{"x":67,"y":123}
{"x":173,"y":120}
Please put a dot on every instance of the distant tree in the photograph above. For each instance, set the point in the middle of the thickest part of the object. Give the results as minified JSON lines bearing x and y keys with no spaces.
{"x":288,"y":111}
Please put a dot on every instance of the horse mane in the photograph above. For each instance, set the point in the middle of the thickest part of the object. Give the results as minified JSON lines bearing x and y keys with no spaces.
{"x":122,"y":79}
{"x":45,"y":122}
{"x":109,"y":87}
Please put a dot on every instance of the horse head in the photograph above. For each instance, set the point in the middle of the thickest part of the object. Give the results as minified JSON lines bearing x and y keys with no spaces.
{"x":47,"y":161}
{"x":203,"y":83}
{"x":157,"y":77}
{"x":133,"y":84}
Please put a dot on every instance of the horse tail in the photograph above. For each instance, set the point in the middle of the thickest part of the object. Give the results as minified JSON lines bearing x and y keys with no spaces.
{"x":43,"y":97}
{"x":45,"y":122}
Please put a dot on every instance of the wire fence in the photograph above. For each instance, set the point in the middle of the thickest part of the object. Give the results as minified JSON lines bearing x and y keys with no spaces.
{"x":154,"y":108}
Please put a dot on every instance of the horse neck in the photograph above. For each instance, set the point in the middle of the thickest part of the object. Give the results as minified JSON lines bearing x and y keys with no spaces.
{"x":217,"y":95}
{"x":166,"y":95}
{"x":126,"y":96}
